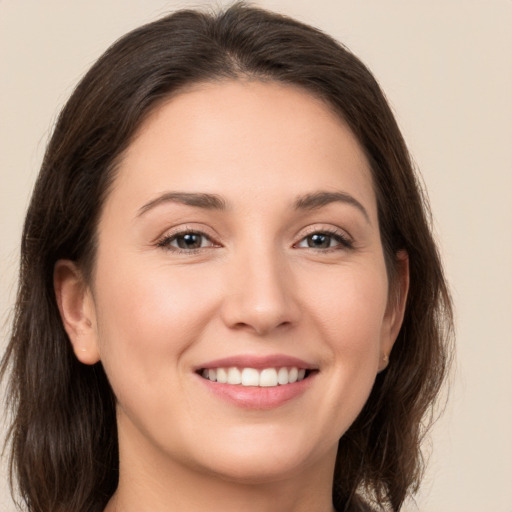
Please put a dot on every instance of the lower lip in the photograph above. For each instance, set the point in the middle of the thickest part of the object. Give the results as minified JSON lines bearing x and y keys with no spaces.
{"x":255,"y":397}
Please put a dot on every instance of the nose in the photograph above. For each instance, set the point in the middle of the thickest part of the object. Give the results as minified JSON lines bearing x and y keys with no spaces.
{"x":260,"y":294}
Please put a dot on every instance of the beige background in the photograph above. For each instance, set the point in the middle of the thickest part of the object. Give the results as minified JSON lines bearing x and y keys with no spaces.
{"x":446,"y":66}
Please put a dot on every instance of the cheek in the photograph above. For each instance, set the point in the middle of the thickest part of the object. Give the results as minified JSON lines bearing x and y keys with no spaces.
{"x":349,"y":305}
{"x":147,"y":317}
{"x":350,"y":317}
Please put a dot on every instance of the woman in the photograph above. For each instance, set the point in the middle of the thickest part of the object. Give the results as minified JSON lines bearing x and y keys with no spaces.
{"x":229,"y":296}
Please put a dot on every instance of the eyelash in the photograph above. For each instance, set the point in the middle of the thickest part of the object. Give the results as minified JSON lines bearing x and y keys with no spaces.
{"x":166,"y":241}
{"x":344,"y":242}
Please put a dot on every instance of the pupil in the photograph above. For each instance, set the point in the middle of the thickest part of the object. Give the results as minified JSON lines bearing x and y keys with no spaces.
{"x":189,"y":241}
{"x":319,"y":241}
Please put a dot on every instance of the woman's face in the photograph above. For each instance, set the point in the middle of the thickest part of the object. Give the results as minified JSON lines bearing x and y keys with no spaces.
{"x":240,"y":241}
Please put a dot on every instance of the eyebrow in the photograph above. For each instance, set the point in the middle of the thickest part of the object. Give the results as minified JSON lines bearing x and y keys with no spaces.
{"x":199,"y":200}
{"x":319,"y":199}
{"x":310,"y":201}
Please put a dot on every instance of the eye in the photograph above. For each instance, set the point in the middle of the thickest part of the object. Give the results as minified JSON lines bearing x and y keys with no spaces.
{"x":186,"y":241}
{"x":325,"y":240}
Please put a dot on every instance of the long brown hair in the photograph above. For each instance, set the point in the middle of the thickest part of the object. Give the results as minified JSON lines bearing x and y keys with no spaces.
{"x":63,"y":437}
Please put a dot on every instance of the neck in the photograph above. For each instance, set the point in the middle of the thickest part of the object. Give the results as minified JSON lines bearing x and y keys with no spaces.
{"x":218,"y":497}
{"x":149,"y":482}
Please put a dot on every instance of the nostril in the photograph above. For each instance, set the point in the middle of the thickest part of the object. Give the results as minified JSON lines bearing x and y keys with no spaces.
{"x":260,"y":326}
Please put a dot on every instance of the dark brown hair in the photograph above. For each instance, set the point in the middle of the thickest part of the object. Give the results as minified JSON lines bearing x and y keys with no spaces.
{"x":63,"y":434}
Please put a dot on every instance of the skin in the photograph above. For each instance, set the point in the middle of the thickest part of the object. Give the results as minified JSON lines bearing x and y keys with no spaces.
{"x":255,"y":287}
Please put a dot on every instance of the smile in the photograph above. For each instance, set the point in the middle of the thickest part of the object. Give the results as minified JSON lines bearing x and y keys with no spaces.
{"x":266,"y":377}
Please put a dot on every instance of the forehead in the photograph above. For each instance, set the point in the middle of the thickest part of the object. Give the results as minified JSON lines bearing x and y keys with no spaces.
{"x":246,"y":138}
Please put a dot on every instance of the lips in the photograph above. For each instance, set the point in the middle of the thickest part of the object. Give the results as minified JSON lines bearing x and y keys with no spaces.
{"x":257,"y":382}
{"x":258,"y":362}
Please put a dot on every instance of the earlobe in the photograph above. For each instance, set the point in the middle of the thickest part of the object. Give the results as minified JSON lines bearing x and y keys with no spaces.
{"x":77,"y":312}
{"x":396,"y":307}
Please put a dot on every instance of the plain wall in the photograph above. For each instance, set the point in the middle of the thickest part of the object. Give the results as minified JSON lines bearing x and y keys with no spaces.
{"x":446,"y":67}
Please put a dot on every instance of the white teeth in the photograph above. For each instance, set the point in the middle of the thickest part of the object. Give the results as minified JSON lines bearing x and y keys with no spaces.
{"x":268,"y":377}
{"x":222,"y":375}
{"x":250,"y":377}
{"x":234,"y":376}
{"x":293,"y":375}
{"x":282,"y":376}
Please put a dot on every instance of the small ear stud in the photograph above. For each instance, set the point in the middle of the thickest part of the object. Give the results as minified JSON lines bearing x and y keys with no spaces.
{"x":384,"y":363}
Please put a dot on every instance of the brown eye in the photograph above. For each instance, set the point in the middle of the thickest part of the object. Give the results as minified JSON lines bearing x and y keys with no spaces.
{"x":186,"y":241}
{"x":319,"y":241}
{"x":189,"y":241}
{"x":325,"y":240}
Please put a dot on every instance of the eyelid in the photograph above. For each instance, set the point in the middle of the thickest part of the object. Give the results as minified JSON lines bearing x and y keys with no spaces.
{"x":346,"y":239}
{"x":173,"y":233}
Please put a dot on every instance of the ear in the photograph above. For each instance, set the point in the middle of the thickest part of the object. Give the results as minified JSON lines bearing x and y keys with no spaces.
{"x":396,"y":307}
{"x":76,"y":306}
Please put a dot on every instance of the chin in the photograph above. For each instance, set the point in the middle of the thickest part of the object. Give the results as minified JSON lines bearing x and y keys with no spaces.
{"x":247,"y":458}
{"x":257,"y":470}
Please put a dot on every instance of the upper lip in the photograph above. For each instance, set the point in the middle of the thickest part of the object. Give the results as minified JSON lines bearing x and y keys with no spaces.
{"x":257,"y":362}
